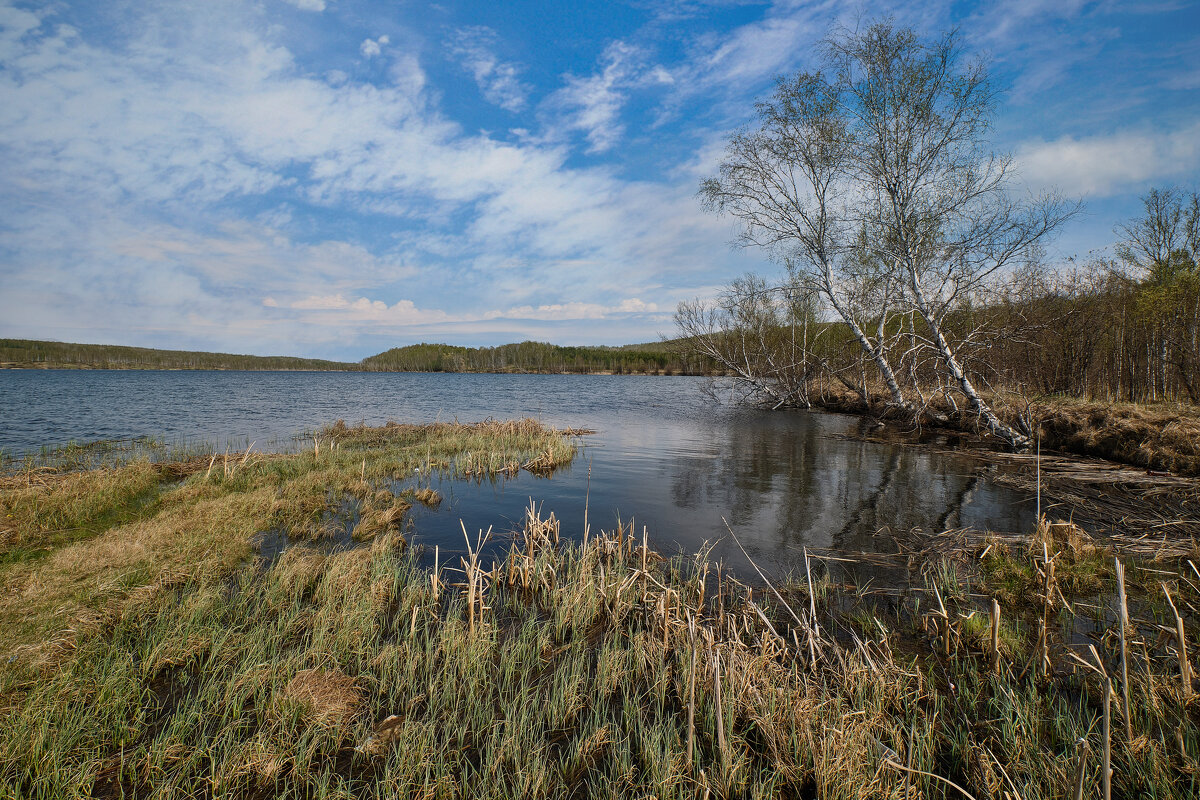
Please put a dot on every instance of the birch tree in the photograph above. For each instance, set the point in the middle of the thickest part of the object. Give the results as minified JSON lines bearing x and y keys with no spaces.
{"x":789,"y":181}
{"x":937,"y":202}
{"x":872,"y":178}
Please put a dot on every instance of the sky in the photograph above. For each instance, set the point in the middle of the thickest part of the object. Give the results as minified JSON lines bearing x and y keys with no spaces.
{"x":331,"y":178}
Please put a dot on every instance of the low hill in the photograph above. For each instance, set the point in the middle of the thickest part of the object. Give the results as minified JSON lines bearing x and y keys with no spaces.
{"x":535,"y":357}
{"x":650,"y":358}
{"x":28,"y":353}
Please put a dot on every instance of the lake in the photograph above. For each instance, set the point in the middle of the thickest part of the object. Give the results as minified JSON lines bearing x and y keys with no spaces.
{"x":664,"y":454}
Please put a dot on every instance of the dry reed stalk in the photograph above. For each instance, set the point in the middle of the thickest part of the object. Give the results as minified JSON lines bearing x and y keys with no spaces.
{"x":586,"y":499}
{"x":774,"y":591}
{"x":1123,"y":622}
{"x":666,"y":619}
{"x":645,"y":574}
{"x":812,"y":595}
{"x":241,"y":463}
{"x":996,"y":636}
{"x":1039,"y":479}
{"x":945,"y":616}
{"x":691,"y":735}
{"x":767,"y":622}
{"x":895,"y":765}
{"x":720,"y":597}
{"x":434,"y":579}
{"x":1185,"y":670}
{"x":210,"y":466}
{"x":1047,"y":601}
{"x":1106,"y":767}
{"x":719,"y":708}
{"x":1080,"y":763}
{"x":470,"y":569}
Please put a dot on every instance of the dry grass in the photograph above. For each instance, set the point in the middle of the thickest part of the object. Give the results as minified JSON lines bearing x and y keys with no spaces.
{"x":1155,"y":437}
{"x":72,"y":543}
{"x":1158,"y":437}
{"x":327,"y":698}
{"x":566,"y":670}
{"x":167,"y":663}
{"x":428,"y":497}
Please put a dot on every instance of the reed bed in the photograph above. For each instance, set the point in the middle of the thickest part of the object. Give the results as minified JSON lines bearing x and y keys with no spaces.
{"x":72,"y":541}
{"x":563,"y":669}
{"x":572,"y":664}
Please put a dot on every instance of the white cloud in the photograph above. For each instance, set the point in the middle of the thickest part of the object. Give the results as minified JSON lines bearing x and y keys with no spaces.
{"x":245,"y":254}
{"x":1018,"y":17}
{"x":307,"y":5}
{"x":729,"y":63}
{"x":633,"y":305}
{"x":574,"y":310}
{"x":373,"y":47}
{"x":1106,"y":164}
{"x":499,"y":81}
{"x":129,"y":173}
{"x":593,"y":103}
{"x":363,"y":310}
{"x":325,"y":303}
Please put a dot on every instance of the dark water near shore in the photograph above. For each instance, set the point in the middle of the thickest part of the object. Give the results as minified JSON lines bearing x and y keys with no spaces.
{"x":663,"y":454}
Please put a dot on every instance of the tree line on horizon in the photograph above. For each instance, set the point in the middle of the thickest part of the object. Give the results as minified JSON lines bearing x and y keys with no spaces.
{"x":663,"y":358}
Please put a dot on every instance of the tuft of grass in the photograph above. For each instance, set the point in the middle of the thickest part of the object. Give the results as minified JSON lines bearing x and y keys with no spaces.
{"x":429,"y":497}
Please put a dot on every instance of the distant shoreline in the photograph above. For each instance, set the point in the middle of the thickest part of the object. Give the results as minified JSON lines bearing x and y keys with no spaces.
{"x":658,"y":358}
{"x":95,"y":368}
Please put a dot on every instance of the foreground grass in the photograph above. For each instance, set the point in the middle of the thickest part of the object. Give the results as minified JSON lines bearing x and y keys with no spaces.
{"x":597,"y":668}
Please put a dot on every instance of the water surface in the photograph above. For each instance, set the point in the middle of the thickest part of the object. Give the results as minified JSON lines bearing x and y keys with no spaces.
{"x":664,"y":454}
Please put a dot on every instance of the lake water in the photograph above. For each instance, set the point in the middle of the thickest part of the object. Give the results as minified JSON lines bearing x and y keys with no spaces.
{"x":664,"y":454}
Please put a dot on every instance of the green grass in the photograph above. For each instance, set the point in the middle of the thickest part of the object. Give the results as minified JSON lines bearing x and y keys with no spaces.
{"x":70,"y":539}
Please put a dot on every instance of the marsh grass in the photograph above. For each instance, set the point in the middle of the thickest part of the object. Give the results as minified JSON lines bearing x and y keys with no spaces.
{"x":559,"y":670}
{"x":74,"y":541}
{"x":109,"y":453}
{"x":568,"y":669}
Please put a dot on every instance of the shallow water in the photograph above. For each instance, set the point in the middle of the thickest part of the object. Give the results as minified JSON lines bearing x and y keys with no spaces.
{"x":664,"y":454}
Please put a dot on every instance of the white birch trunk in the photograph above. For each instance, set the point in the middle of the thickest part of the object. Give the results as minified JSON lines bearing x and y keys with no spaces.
{"x":997,"y":426}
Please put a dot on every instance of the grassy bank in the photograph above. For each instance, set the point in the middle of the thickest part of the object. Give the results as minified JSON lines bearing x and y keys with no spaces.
{"x":1162,"y":436}
{"x":155,"y":656}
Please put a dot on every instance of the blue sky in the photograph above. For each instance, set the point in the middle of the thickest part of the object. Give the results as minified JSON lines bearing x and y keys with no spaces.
{"x":332,"y":177}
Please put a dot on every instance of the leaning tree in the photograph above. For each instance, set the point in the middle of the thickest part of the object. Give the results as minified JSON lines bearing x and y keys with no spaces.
{"x":790,"y":183}
{"x":873,"y":179}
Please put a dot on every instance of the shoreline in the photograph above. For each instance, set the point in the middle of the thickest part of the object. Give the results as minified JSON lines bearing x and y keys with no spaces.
{"x":87,"y":367}
{"x":1154,"y":437}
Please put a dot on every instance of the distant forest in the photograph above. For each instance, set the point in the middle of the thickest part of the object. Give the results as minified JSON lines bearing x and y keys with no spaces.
{"x":662,"y":358}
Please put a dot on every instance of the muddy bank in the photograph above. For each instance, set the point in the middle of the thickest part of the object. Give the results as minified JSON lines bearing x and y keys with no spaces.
{"x":1161,"y":438}
{"x":1100,"y":466}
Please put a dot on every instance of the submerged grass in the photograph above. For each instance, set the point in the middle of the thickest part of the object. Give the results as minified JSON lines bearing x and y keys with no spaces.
{"x":575,"y":669}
